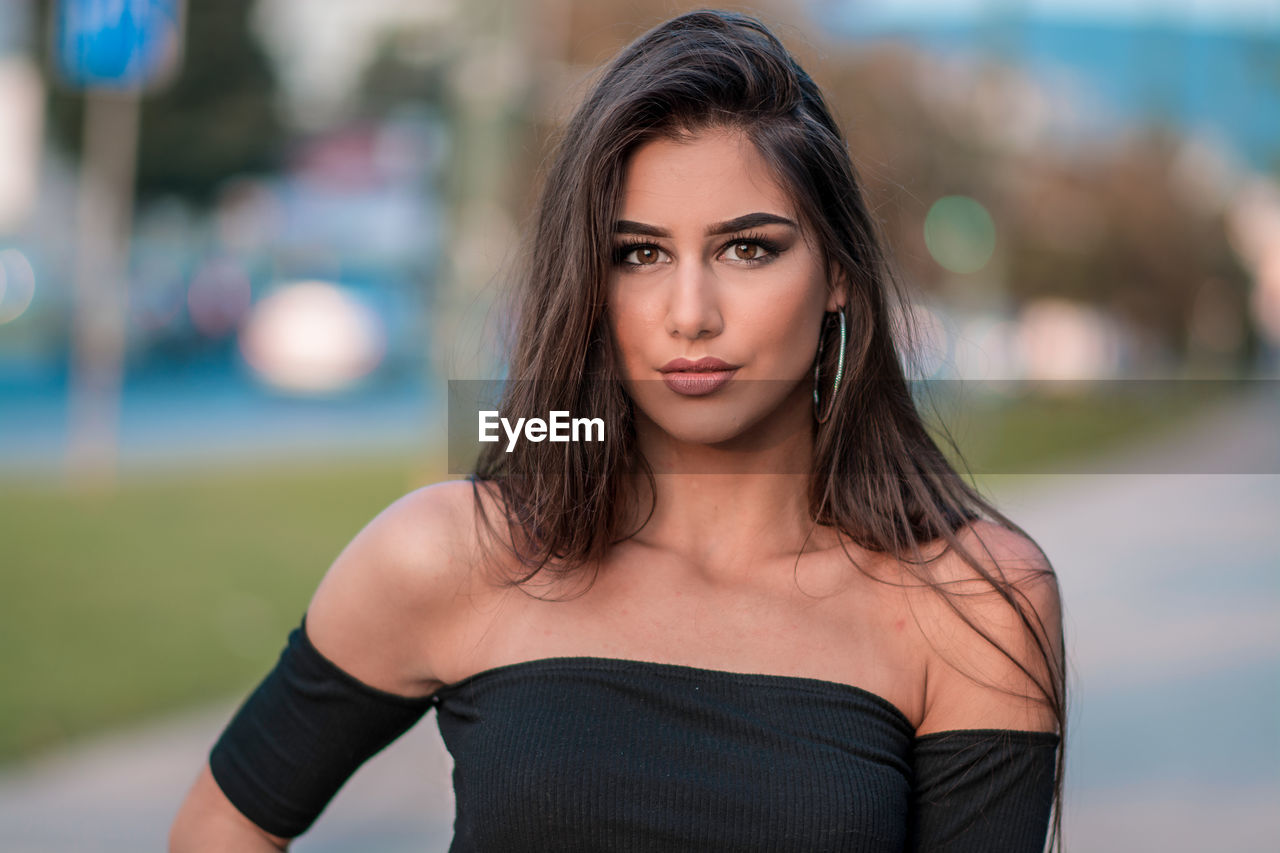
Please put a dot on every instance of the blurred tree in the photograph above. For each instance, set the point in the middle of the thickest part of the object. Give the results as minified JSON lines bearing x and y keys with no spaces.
{"x":1157,"y":250}
{"x":217,"y":119}
{"x":399,"y":75}
{"x":1108,"y":226}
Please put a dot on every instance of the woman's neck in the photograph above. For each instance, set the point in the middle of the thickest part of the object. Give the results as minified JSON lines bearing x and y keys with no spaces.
{"x":715,"y":502}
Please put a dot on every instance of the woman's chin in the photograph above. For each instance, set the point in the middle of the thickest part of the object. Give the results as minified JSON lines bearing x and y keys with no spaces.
{"x":688,"y":436}
{"x":695,"y":437}
{"x":721,"y":423}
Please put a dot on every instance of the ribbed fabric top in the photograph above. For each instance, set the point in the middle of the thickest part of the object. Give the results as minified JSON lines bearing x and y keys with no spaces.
{"x":609,"y":754}
{"x":592,"y":754}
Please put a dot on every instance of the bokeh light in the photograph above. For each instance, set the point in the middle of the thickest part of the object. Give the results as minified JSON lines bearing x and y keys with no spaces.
{"x":985,"y":349}
{"x":959,"y":234}
{"x":17,"y":285}
{"x":1265,"y":299}
{"x":934,"y":342}
{"x":312,"y":337}
{"x":1060,"y":339}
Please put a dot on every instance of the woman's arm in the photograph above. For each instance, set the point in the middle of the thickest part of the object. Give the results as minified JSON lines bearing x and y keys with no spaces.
{"x":984,"y":760}
{"x":371,"y":617}
{"x":207,"y":821}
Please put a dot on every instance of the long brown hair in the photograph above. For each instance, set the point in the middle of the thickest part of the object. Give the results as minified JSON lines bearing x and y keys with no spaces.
{"x":877,"y":475}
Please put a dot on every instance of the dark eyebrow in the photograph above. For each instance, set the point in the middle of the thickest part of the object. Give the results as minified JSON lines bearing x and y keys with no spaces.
{"x":750,"y":220}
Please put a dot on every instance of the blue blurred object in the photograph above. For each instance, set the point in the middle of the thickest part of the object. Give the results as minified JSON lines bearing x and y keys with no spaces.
{"x":117,"y":44}
{"x":1214,"y":76}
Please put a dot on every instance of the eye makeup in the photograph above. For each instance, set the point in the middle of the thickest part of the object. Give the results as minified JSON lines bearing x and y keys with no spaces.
{"x":772,"y":247}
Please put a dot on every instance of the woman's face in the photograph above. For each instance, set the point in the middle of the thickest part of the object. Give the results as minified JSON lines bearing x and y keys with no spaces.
{"x":709,"y":262}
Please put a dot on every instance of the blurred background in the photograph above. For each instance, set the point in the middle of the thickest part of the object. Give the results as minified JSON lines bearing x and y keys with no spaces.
{"x":245,"y":244}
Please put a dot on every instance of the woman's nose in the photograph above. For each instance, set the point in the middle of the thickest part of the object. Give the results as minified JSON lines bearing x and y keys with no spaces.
{"x":693,"y":311}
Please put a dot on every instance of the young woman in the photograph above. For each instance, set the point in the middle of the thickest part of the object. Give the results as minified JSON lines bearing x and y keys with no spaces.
{"x":763,"y":613}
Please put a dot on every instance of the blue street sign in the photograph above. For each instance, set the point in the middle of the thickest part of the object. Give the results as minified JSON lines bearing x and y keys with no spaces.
{"x":118,"y":44}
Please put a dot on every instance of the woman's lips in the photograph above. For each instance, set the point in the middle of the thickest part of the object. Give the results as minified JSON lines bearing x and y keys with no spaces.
{"x":697,"y":383}
{"x":697,"y":378}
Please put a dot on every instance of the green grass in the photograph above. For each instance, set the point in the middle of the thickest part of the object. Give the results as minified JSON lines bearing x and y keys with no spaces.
{"x":165,"y":592}
{"x":1056,"y":427}
{"x":182,"y":587}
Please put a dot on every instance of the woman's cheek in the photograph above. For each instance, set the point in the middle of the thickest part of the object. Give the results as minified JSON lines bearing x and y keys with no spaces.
{"x":630,"y":347}
{"x":782,"y":332}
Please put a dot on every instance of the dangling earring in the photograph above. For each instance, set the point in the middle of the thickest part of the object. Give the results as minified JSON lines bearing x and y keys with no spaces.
{"x":817,"y":367}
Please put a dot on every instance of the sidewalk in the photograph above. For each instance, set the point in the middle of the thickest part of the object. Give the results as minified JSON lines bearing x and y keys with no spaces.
{"x":1171,"y":586}
{"x":1171,"y":592}
{"x":119,"y":793}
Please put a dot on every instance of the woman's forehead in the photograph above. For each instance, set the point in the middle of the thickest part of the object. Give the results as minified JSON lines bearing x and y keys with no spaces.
{"x":714,"y":176}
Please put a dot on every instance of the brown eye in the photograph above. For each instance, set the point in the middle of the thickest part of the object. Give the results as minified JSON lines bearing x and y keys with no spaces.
{"x":644,"y":255}
{"x":749,"y":252}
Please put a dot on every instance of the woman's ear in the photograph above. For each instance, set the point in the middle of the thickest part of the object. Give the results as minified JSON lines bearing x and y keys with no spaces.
{"x":838,"y":294}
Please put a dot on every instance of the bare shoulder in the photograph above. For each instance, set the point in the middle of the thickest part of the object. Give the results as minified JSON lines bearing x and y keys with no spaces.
{"x":380,"y":611}
{"x":988,"y":641}
{"x":377,"y":615}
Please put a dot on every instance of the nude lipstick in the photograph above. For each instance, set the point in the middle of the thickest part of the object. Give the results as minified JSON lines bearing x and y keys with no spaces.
{"x":697,"y":378}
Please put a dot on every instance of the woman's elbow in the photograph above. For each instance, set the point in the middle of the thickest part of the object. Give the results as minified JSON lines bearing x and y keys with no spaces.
{"x":207,"y":822}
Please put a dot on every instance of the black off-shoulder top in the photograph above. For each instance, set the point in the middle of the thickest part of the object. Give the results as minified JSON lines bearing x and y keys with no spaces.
{"x":607,"y":754}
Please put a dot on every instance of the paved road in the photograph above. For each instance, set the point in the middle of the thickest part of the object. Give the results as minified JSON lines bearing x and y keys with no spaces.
{"x":118,"y":794}
{"x":1171,"y":586}
{"x":1172,"y":591}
